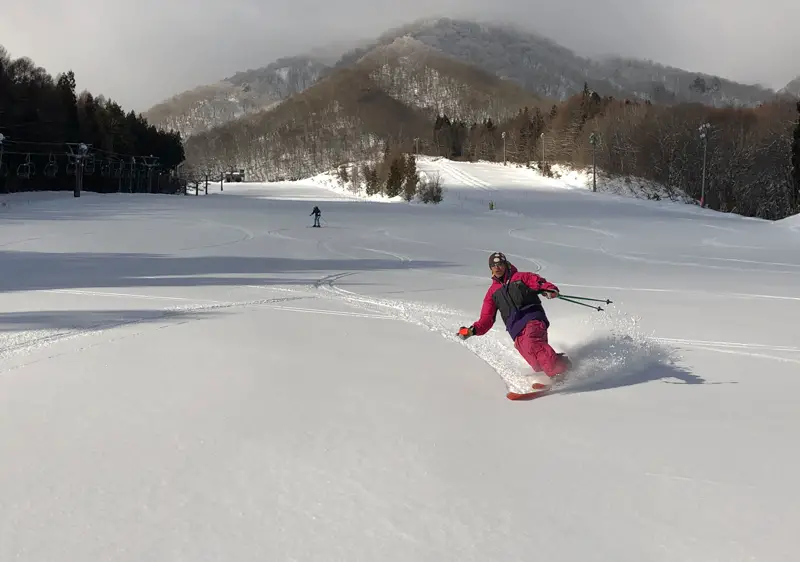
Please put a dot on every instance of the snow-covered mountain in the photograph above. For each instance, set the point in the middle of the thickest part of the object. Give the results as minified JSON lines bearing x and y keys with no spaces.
{"x":549,"y":69}
{"x":425,"y":78}
{"x":243,"y":93}
{"x":537,"y":63}
{"x":394,"y":91}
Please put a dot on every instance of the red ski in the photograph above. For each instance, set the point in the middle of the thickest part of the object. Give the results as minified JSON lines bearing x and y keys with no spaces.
{"x":538,"y":390}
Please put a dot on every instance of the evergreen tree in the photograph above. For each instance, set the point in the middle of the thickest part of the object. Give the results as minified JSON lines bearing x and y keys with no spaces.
{"x":411,"y":179}
{"x":394,"y":183}
{"x":371,"y":180}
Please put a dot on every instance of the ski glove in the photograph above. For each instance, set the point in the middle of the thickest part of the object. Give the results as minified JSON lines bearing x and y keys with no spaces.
{"x":465,"y":332}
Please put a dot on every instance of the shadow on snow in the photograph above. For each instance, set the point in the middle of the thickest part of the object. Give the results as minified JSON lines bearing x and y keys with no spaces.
{"x":27,"y":271}
{"x":90,"y":320}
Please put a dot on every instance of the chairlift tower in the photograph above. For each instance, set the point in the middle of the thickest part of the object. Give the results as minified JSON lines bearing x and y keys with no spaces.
{"x":149,"y":162}
{"x":78,"y":152}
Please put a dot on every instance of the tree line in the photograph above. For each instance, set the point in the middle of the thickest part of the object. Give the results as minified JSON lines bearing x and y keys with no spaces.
{"x":751,"y":155}
{"x":44,"y":122}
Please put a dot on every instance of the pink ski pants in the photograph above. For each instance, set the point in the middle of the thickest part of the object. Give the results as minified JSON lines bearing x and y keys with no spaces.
{"x":532,"y":345}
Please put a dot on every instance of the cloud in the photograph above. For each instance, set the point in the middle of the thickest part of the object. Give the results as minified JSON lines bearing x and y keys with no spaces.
{"x":142,"y":52}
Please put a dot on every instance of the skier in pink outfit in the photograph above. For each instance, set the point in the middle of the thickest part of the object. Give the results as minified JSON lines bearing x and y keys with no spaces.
{"x":516,"y":295}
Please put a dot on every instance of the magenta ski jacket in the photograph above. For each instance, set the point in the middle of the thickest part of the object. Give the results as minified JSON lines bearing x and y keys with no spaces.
{"x":516,"y":297}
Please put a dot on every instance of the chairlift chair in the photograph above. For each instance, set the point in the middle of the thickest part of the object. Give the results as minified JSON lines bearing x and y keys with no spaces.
{"x":51,"y":169}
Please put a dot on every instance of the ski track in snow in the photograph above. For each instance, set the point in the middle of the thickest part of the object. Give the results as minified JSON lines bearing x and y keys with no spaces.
{"x":28,"y":341}
{"x":715,"y":243}
{"x":643,"y":258}
{"x":464,"y":177}
{"x":594,"y":230}
{"x":648,"y":257}
{"x":434,"y":318}
{"x":492,"y":349}
{"x":738,"y":348}
{"x":278,"y":233}
{"x":538,"y":265}
{"x":514,"y":233}
{"x":245,"y":236}
{"x":37,"y":239}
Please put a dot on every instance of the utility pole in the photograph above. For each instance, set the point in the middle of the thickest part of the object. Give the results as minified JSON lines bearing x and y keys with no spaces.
{"x":704,"y":137}
{"x":594,"y":139}
{"x":150,"y":162}
{"x":78,"y":152}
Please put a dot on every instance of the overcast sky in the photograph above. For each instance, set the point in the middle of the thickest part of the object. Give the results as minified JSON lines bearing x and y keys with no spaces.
{"x":140,"y":52}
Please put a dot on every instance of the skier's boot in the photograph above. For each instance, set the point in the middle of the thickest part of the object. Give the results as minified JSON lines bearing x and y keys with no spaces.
{"x":563,"y":367}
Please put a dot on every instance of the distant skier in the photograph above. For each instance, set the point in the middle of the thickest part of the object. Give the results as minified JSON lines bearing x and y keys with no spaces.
{"x":317,"y":213}
{"x":516,"y":295}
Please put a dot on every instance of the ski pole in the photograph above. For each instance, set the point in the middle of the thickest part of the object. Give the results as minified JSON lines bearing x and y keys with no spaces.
{"x":575,"y":297}
{"x":565,"y":298}
{"x":585,"y":299}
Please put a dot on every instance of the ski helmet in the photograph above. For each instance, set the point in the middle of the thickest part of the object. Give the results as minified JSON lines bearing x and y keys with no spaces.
{"x":496,"y":258}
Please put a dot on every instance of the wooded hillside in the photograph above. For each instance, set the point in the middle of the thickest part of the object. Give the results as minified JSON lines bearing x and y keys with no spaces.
{"x":748,"y":151}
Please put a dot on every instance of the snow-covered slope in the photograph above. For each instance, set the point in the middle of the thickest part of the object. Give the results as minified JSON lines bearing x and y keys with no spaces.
{"x":504,"y":184}
{"x":209,"y":378}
